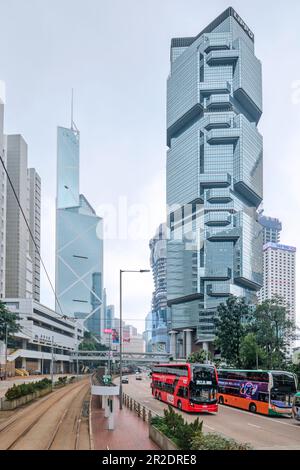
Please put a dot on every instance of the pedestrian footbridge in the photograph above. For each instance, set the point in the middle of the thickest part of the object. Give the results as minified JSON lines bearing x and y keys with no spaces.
{"x":94,"y":356}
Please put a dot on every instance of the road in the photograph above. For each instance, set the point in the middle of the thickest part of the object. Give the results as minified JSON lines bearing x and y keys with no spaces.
{"x":53,"y":422}
{"x":261,"y":432}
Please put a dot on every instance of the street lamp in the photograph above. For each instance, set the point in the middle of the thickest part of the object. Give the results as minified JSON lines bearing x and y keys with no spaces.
{"x":121,"y":327}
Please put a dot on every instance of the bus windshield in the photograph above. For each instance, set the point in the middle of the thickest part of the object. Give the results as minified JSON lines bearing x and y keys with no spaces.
{"x":283,"y":389}
{"x":203,"y":385}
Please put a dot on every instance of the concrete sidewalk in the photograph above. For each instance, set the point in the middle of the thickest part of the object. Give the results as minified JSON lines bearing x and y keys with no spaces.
{"x":130,"y":433}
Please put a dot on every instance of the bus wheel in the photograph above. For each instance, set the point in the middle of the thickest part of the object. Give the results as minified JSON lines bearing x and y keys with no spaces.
{"x":179,"y":404}
{"x":221,"y":400}
{"x":159,"y":397}
{"x":252,"y":408}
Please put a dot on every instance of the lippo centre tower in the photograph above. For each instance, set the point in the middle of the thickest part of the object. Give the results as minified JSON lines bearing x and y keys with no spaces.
{"x":214,"y":178}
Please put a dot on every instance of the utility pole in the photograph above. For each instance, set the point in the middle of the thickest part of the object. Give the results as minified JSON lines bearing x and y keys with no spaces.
{"x":77,"y":366}
{"x":109,"y":357}
{"x":52,"y":361}
{"x":120,"y":340}
{"x":6,"y":340}
{"x":121,"y":330}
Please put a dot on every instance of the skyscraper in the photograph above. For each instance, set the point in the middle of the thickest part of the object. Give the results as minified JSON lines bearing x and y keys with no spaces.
{"x":79,"y":245}
{"x":214,"y":177}
{"x":109,"y":317}
{"x":280,"y":275}
{"x":18,"y":281}
{"x":35,"y":227}
{"x":158,"y":262}
{"x":2,"y":195}
{"x":271,"y":229}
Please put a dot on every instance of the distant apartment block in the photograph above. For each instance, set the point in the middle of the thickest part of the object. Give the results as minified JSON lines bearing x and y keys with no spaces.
{"x":271,"y":229}
{"x":280,"y":275}
{"x":2,"y":200}
{"x":35,"y":226}
{"x":18,"y":282}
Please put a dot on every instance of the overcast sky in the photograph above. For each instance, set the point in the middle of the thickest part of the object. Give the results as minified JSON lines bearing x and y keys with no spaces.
{"x":115,"y":54}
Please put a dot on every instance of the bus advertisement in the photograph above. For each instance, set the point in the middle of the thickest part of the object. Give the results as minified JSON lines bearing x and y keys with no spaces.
{"x":189,"y":387}
{"x":266,"y":392}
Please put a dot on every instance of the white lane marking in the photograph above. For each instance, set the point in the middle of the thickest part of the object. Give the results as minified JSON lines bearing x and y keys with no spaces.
{"x":269,"y":419}
{"x":208,"y":427}
{"x":254,"y":425}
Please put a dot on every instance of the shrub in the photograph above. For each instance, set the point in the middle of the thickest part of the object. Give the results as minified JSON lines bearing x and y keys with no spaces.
{"x":212,"y":441}
{"x":17,"y":391}
{"x":62,"y":380}
{"x":174,"y":427}
{"x":189,"y":436}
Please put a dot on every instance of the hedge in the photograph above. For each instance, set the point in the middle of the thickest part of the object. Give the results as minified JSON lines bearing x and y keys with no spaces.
{"x":17,"y":391}
{"x":189,"y":436}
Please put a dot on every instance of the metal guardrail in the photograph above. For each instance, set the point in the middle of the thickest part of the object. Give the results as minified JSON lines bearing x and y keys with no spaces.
{"x":141,"y":410}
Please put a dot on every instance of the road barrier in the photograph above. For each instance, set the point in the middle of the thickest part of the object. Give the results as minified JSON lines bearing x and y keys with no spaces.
{"x":141,"y":410}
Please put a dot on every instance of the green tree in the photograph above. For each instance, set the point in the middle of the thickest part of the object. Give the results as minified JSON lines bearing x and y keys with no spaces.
{"x":90,"y":344}
{"x":199,"y":357}
{"x":251,"y":354}
{"x":8,"y":320}
{"x":274,"y":330}
{"x":231,"y":320}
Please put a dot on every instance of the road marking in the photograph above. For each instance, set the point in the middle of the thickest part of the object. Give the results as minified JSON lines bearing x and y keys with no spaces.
{"x":208,"y":427}
{"x":254,"y":425}
{"x":269,"y":419}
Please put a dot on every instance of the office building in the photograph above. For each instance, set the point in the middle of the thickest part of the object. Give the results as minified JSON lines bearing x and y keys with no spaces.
{"x":214,"y":178}
{"x":35,"y":227}
{"x":2,"y":194}
{"x":79,"y":244}
{"x":271,"y":229}
{"x":41,"y":328}
{"x":280,"y":275}
{"x":158,"y":262}
{"x":147,"y":334}
{"x":110,"y":316}
{"x":18,"y":281}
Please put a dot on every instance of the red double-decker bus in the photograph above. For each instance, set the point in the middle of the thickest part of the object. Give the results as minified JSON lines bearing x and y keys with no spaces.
{"x":189,"y":387}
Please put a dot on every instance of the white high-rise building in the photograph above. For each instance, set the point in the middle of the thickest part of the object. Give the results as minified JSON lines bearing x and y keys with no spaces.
{"x":22,"y":277}
{"x":18,"y":263}
{"x":34,"y":181}
{"x":280,"y":275}
{"x":2,"y":194}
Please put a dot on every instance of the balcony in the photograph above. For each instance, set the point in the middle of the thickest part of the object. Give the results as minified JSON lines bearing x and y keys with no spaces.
{"x":219,"y":273}
{"x":217,"y":219}
{"x":217,"y":122}
{"x":231,"y":235}
{"x":219,"y":196}
{"x":219,"y":102}
{"x":223,"y":57}
{"x":212,"y":44}
{"x":219,"y":289}
{"x":222,"y":87}
{"x":223,"y":136}
{"x":213,"y":180}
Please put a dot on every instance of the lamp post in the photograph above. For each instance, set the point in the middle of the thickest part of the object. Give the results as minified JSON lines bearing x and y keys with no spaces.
{"x":121,"y":327}
{"x":6,"y":340}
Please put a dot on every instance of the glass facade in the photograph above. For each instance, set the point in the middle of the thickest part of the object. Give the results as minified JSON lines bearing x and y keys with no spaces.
{"x":79,"y":244}
{"x":214,"y":175}
{"x":158,"y":315}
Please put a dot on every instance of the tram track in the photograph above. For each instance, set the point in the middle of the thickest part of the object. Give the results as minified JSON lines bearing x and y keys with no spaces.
{"x":30,"y":428}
